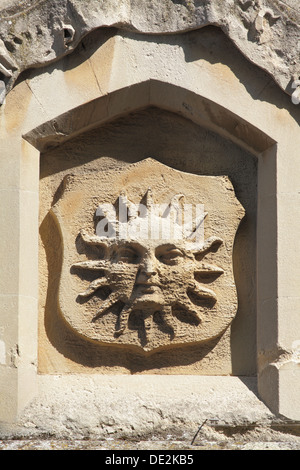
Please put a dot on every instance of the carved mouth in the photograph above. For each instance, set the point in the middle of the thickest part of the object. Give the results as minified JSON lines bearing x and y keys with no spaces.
{"x":146,"y":288}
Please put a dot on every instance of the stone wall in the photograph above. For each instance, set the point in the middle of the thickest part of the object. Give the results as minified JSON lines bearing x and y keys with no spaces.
{"x":192,"y":98}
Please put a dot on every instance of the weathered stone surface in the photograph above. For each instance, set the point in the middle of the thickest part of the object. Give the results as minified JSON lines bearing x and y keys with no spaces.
{"x":127,"y":413}
{"x":38,"y":32}
{"x":99,"y":406}
{"x":151,"y":279}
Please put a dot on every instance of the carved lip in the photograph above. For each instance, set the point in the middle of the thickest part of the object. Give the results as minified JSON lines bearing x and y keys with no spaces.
{"x":147,"y":287}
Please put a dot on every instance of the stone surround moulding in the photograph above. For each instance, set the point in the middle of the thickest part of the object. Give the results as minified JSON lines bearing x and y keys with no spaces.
{"x":36,"y":32}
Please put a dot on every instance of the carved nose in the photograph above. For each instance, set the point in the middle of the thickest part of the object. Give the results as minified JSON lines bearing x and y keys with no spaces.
{"x":148,"y":267}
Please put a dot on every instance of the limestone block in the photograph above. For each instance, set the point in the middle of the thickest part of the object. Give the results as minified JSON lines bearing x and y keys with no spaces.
{"x":279,"y":386}
{"x":8,"y":393}
{"x":288,"y":244}
{"x":289,"y":387}
{"x":9,"y":241}
{"x":289,"y":338}
{"x":148,"y":409}
{"x":8,"y":329}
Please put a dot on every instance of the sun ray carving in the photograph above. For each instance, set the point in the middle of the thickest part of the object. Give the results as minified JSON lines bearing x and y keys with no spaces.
{"x":151,"y":277}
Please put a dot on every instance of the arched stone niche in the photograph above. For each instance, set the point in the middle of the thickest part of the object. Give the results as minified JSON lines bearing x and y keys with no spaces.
{"x":122,"y":98}
{"x":179,"y":144}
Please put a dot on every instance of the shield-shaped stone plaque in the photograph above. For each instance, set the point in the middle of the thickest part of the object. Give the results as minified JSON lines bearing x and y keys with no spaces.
{"x":147,"y":256}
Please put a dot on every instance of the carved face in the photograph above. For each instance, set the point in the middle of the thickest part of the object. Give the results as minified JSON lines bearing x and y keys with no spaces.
{"x":153,"y":269}
{"x":149,"y":292}
{"x":149,"y":276}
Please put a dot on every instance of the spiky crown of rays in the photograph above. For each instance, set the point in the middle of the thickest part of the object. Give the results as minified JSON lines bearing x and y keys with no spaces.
{"x":173,"y":221}
{"x":137,"y":222}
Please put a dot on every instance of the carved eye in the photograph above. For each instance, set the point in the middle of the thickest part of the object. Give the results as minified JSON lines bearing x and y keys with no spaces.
{"x":127,"y":255}
{"x":169,"y":256}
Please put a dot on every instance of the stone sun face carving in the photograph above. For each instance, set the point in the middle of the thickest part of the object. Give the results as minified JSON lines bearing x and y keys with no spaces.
{"x":126,"y":288}
{"x":151,"y":278}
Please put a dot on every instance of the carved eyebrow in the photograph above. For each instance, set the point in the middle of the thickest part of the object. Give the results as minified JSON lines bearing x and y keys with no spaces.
{"x":168,"y":248}
{"x":134,"y":249}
